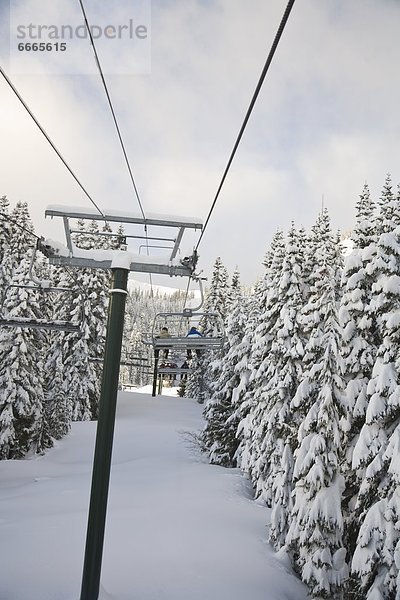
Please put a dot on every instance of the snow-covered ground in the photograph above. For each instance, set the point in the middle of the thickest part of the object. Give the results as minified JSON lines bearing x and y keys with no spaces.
{"x":177,"y":529}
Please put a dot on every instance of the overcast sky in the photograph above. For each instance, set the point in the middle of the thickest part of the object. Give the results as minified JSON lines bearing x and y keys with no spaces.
{"x":327,"y":119}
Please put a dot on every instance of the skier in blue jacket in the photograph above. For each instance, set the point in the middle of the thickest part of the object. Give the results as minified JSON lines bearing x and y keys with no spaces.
{"x":193,"y":333}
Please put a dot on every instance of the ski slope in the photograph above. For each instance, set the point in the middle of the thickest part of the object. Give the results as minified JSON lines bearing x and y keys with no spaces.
{"x":177,"y":528}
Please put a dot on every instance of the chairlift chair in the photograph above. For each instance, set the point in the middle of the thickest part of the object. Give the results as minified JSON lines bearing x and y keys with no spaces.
{"x":178,"y":325}
{"x":9,"y":320}
{"x":169,"y":374}
{"x":174,"y":322}
{"x":43,"y":287}
{"x":179,"y":341}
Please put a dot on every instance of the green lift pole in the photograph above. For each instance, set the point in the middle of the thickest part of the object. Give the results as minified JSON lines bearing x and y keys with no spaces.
{"x":104,"y":438}
{"x":155,"y":372}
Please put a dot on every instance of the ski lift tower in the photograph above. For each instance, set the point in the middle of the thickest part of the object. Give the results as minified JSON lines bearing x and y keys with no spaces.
{"x":120,"y":263}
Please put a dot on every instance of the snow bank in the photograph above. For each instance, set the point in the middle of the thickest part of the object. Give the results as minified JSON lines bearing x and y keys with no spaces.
{"x":177,"y":527}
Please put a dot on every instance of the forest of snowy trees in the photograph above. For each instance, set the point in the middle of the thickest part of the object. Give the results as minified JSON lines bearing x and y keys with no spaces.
{"x":305,"y":398}
{"x":50,"y":378}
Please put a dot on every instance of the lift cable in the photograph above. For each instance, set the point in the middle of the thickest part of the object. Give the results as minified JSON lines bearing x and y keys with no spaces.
{"x":118,"y":132}
{"x":14,"y":89}
{"x":249,"y":110}
{"x":111,"y":108}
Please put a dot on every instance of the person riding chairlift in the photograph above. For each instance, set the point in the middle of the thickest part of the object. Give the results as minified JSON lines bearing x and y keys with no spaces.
{"x":185,"y":366}
{"x":164,"y":333}
{"x":193,"y":332}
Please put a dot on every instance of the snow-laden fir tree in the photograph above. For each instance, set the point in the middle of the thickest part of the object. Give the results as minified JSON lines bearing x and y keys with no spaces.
{"x":98,"y":298}
{"x":140,"y":310}
{"x":206,"y":369}
{"x":358,"y":349}
{"x":23,"y":427}
{"x":375,"y":257}
{"x":57,"y":405}
{"x":242,"y":394}
{"x":320,"y":250}
{"x":83,"y":352}
{"x":133,"y":351}
{"x":80,"y":381}
{"x":97,"y":292}
{"x":375,"y":561}
{"x":216,"y":301}
{"x":195,"y":383}
{"x":79,"y":388}
{"x":6,"y":261}
{"x":338,"y":264}
{"x":253,"y":461}
{"x":219,"y":434}
{"x":278,"y":388}
{"x":388,"y":216}
{"x":314,"y":540}
{"x":57,"y":402}
{"x":21,"y":241}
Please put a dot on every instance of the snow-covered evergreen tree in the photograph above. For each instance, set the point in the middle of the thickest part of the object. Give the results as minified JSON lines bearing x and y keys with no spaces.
{"x":133,"y":351}
{"x":283,"y":376}
{"x":379,"y":256}
{"x":206,"y":368}
{"x":82,"y":351}
{"x":253,"y":461}
{"x":6,"y":261}
{"x":195,"y":384}
{"x":216,"y":301}
{"x":315,"y":534}
{"x":22,"y":242}
{"x":80,"y":383}
{"x":23,"y":427}
{"x":57,"y":403}
{"x":242,"y":396}
{"x":358,"y":349}
{"x":219,"y":434}
{"x":388,"y":216}
{"x":375,"y":560}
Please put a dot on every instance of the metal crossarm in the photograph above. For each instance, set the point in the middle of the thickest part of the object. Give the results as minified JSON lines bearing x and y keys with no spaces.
{"x":82,"y":213}
{"x":76,"y":257}
{"x":139,"y":265}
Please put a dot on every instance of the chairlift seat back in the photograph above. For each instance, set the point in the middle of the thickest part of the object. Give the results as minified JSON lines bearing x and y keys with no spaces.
{"x":9,"y":320}
{"x":179,"y":324}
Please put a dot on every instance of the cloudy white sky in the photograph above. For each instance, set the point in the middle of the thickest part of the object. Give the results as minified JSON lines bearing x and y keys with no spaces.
{"x":326,"y":121}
